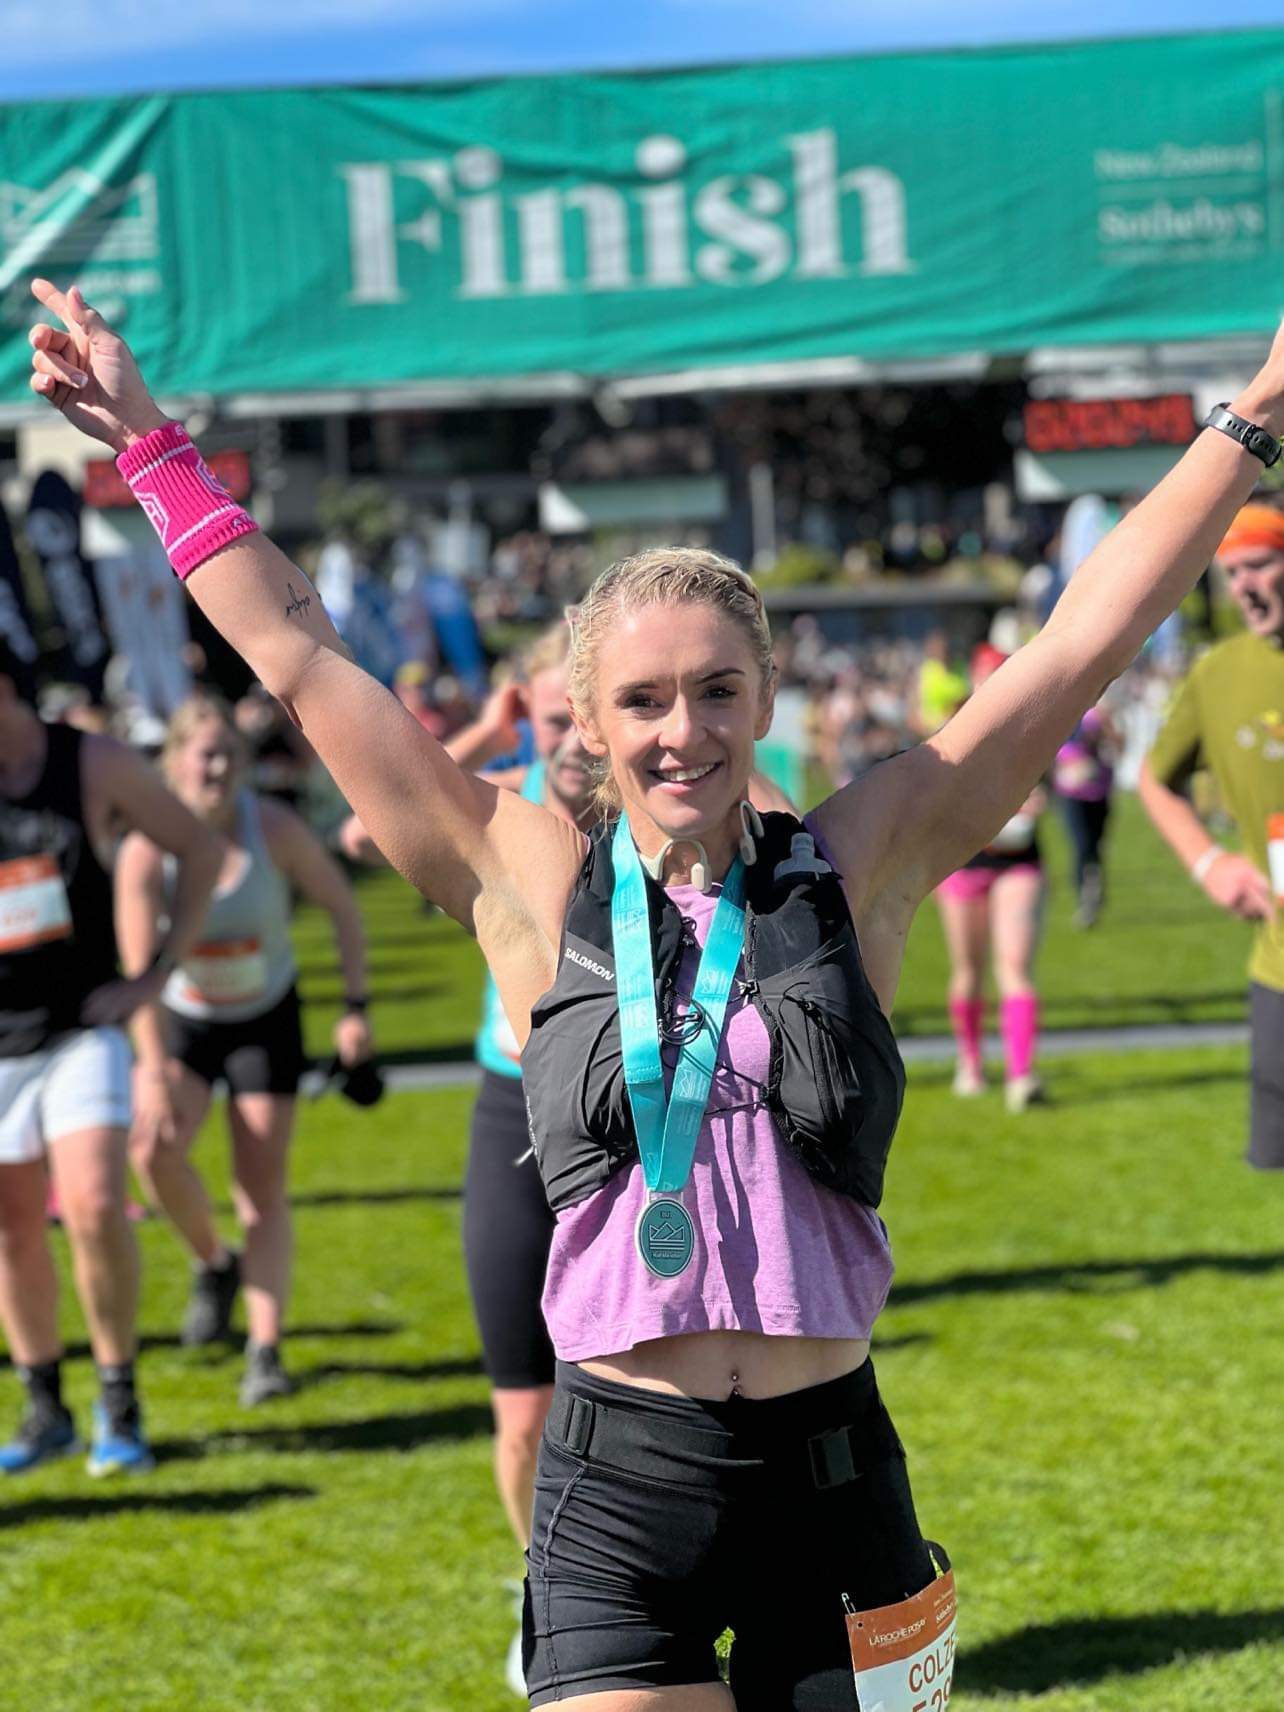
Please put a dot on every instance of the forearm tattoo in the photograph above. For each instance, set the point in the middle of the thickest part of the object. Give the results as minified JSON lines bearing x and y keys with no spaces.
{"x":298,"y":604}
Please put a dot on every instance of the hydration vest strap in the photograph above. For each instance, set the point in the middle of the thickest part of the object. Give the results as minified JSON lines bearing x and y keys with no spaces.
{"x":667,"y":1130}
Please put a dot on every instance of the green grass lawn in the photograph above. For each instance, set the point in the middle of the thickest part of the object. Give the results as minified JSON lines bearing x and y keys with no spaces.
{"x":1161,"y":954}
{"x":1082,"y":1355}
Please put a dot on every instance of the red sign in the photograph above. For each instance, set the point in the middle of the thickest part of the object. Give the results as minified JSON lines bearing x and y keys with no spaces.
{"x":1108,"y":424}
{"x":105,"y":486}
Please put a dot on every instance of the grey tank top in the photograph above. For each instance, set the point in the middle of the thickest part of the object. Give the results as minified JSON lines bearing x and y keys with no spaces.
{"x":243,"y":963}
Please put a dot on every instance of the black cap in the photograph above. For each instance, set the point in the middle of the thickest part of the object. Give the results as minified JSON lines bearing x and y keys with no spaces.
{"x":361,"y":1083}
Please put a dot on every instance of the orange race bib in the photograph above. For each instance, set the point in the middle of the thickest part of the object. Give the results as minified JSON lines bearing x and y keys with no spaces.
{"x":1275,"y":853}
{"x":225,"y":972}
{"x":903,"y":1655}
{"x":34,"y":908}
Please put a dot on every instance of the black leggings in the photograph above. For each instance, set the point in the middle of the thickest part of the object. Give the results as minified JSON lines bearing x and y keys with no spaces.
{"x":1266,"y":1127}
{"x":507,"y":1232}
{"x":1086,"y":827}
{"x":660,"y":1521}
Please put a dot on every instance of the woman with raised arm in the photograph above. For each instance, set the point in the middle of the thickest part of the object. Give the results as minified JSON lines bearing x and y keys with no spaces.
{"x":711,"y":1078}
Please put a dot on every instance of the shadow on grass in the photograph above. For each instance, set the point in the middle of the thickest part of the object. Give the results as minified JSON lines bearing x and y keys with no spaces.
{"x":85,"y":1508}
{"x":1048,"y":1656}
{"x":450,"y":1367}
{"x":1087,"y":1276}
{"x":1070,"y":1086}
{"x":170,"y":1340}
{"x":372,"y":1434}
{"x":1086,"y":1094}
{"x":1073,"y":1010}
{"x":451,"y":1052}
{"x":905,"y":1340}
{"x":376,"y":1197}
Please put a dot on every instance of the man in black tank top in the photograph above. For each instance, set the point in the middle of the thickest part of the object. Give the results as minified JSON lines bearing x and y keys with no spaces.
{"x":65,"y":799}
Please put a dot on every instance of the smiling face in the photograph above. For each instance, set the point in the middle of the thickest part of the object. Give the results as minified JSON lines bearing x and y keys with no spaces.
{"x":1256,"y":577}
{"x":557,"y":741}
{"x":205,"y":769}
{"x":678,"y":704}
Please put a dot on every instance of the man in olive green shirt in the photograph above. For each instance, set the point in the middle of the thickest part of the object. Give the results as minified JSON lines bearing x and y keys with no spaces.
{"x":1228,"y":716}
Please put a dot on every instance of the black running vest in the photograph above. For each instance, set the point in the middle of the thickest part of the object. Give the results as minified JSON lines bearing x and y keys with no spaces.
{"x":836,"y":1080}
{"x":46,"y":974}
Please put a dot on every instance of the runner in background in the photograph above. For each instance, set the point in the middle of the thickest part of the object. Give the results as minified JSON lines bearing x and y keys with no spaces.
{"x":991,"y":910}
{"x":229,"y":1013}
{"x":64,"y":1059}
{"x":1228,"y":715}
{"x":1083,"y":777}
{"x":942,"y":687}
{"x":507,"y":1226}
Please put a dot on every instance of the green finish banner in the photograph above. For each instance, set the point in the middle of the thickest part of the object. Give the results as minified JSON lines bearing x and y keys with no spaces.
{"x":902,"y":207}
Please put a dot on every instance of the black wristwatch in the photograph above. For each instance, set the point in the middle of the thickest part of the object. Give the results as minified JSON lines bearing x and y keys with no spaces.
{"x":354,"y":1006}
{"x":1259,"y":441}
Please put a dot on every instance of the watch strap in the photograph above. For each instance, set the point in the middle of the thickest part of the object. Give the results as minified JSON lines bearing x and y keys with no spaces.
{"x":1250,"y":435}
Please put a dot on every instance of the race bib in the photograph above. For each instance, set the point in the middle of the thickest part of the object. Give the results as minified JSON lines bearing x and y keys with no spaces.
{"x":225,"y":972}
{"x":34,"y":909}
{"x":1275,"y":853}
{"x":903,"y":1655}
{"x":1076,"y":773}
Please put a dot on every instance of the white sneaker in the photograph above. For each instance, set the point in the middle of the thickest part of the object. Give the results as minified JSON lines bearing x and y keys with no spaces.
{"x":514,"y":1675}
{"x":1024,"y":1091}
{"x":969,"y":1081}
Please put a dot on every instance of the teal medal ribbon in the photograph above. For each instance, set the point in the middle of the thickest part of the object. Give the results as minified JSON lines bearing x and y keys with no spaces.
{"x":667,"y":1129}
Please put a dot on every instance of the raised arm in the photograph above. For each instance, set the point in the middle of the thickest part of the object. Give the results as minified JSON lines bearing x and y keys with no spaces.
{"x":904,"y":826}
{"x":450,"y":833}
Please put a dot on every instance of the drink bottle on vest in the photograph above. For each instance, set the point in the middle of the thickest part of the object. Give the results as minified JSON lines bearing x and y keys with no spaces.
{"x":836,"y":1081}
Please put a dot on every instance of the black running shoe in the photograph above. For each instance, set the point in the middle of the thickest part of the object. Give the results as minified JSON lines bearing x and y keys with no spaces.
{"x":264,"y":1377}
{"x":209,"y":1308}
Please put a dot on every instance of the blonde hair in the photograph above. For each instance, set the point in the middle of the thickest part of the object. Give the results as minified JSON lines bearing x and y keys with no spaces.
{"x":550,"y":649}
{"x":660,"y":576}
{"x":197,"y":710}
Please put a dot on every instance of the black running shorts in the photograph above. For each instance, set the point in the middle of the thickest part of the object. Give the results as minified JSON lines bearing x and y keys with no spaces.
{"x":662,"y":1521}
{"x":261,"y":1056}
{"x":507,"y":1232}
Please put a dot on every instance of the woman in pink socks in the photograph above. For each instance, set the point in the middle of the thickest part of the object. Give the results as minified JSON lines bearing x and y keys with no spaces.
{"x":993,"y":906}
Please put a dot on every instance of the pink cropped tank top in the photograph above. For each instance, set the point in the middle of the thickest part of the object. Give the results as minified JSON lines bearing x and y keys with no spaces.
{"x":775,"y":1251}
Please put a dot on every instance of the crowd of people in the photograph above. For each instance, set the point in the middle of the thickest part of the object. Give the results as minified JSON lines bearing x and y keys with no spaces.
{"x":690,"y":1082}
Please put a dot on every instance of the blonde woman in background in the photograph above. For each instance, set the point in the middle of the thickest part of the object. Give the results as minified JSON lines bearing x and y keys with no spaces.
{"x":229,"y":1013}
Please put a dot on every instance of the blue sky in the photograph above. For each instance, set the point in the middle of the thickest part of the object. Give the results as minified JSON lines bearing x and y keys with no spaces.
{"x":92,"y":47}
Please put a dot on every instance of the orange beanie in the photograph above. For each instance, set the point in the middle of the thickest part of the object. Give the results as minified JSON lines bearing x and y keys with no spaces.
{"x":1255,"y":526}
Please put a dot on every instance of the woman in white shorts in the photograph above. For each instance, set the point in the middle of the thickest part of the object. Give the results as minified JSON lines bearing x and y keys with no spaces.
{"x":64,"y":1062}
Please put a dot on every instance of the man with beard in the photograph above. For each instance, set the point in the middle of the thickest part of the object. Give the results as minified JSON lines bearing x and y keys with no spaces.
{"x":1228,"y":716}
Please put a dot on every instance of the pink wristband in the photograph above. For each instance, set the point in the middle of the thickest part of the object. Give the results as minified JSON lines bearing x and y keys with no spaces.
{"x":190,"y":509}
